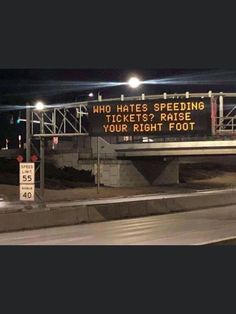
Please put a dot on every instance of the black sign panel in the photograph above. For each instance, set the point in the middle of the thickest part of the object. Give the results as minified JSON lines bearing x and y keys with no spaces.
{"x":150,"y":117}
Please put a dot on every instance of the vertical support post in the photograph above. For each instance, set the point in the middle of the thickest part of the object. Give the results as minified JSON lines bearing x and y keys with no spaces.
{"x":64,"y":118}
{"x":80,"y":119}
{"x":213,"y":115}
{"x":28,"y":133}
{"x":54,"y":120}
{"x":98,"y":165}
{"x":32,"y":122}
{"x":42,"y":158}
{"x":221,"y":111}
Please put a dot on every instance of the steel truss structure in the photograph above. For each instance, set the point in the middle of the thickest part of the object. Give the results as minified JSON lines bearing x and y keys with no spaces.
{"x":67,"y":119}
{"x":57,"y":122}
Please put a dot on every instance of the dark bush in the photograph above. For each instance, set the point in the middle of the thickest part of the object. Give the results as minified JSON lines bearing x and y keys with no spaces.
{"x":58,"y":178}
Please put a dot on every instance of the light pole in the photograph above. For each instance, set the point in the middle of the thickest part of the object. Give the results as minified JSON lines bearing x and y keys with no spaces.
{"x":40,"y":106}
{"x":98,"y":153}
{"x":28,"y":132}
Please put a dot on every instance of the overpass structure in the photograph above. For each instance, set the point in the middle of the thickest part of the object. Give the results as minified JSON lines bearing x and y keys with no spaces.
{"x":190,"y":148}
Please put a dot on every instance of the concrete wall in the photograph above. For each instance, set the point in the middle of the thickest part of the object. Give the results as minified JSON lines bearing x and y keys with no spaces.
{"x":113,"y":172}
{"x":120,"y":173}
{"x":64,"y":160}
{"x":169,"y":173}
{"x":124,"y":173}
{"x":128,"y":173}
{"x":85,"y":146}
{"x":106,"y":150}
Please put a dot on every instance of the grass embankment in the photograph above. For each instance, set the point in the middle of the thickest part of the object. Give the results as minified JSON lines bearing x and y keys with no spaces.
{"x":55,"y":178}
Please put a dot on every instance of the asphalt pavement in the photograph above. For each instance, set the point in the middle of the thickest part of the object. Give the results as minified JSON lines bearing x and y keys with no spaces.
{"x":185,"y":228}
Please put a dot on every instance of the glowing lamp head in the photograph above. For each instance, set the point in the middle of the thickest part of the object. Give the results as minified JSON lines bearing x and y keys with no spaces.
{"x":90,"y":95}
{"x":134,"y":82}
{"x":39,"y":105}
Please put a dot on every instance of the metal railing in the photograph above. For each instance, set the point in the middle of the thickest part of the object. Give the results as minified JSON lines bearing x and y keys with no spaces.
{"x":226,"y":125}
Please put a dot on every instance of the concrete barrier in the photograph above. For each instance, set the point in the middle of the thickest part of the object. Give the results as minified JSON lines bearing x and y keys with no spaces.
{"x":70,"y":215}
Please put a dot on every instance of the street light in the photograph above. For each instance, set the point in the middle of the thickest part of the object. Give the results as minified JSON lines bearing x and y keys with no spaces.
{"x":90,"y":94}
{"x":134,"y":82}
{"x":39,"y":105}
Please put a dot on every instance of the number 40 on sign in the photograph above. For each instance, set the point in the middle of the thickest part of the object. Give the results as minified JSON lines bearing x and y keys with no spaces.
{"x":27,"y":192}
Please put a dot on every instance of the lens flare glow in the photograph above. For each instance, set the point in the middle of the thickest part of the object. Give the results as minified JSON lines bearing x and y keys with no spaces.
{"x":134,"y":82}
{"x":39,"y":105}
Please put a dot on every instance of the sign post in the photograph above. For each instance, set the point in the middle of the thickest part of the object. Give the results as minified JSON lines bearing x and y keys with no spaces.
{"x":28,"y":133}
{"x":98,"y":165}
{"x":27,"y":181}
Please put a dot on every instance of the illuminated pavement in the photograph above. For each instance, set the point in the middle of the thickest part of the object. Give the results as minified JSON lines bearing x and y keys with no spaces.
{"x":187,"y":228}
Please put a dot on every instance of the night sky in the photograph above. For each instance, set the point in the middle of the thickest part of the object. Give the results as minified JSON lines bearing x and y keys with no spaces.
{"x":20,"y":86}
{"x":55,"y":86}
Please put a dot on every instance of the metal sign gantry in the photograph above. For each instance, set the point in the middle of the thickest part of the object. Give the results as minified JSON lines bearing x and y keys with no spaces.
{"x":66,"y":119}
{"x":57,"y":121}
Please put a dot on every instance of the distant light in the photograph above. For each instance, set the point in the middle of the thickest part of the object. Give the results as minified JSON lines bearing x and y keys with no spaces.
{"x":18,"y":119}
{"x":12,"y":120}
{"x":134,"y":82}
{"x":90,"y":94}
{"x":39,"y":105}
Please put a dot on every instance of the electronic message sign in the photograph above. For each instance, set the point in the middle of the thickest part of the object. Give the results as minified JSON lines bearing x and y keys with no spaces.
{"x":186,"y":116}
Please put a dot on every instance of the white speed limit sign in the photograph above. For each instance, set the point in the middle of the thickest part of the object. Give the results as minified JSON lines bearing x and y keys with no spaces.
{"x":27,"y":173}
{"x":27,"y":192}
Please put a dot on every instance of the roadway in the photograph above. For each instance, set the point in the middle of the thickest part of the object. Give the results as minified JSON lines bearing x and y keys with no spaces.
{"x":187,"y":228}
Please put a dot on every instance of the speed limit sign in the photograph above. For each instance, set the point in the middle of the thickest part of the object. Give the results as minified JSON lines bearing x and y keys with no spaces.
{"x":27,"y":181}
{"x":27,"y":192}
{"x":27,"y":172}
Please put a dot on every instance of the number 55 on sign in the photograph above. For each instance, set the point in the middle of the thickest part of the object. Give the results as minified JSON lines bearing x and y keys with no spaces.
{"x":27,"y":173}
